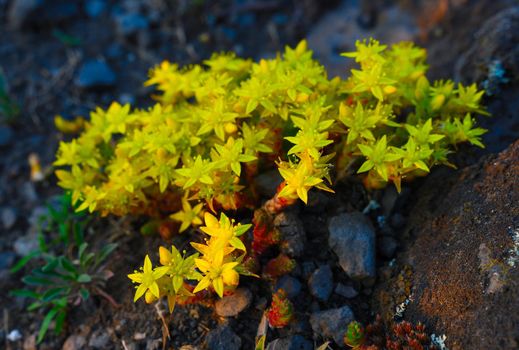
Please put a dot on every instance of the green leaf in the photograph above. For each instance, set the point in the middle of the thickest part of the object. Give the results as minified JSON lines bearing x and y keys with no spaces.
{"x":84,"y":293}
{"x":60,"y":319}
{"x":84,"y":278}
{"x":46,"y":323}
{"x":104,"y":253}
{"x":260,"y":343}
{"x":53,"y":293}
{"x":24,"y":293}
{"x":37,"y":281}
{"x":23,"y":261}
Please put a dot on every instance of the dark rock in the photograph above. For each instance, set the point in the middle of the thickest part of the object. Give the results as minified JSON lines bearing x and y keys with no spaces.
{"x":74,"y":342}
{"x":318,"y":202}
{"x":352,"y":238}
{"x":292,"y":232}
{"x":331,"y":324}
{"x":465,"y":236}
{"x":9,"y":217}
{"x":223,"y":338}
{"x":6,"y":260}
{"x":232,"y":305}
{"x":321,"y":283}
{"x":307,"y":268}
{"x":6,"y":136}
{"x":268,"y":182}
{"x":25,"y":12}
{"x":294,"y":342}
{"x":346,"y":291}
{"x":95,"y":74}
{"x":130,"y":23}
{"x":290,"y":285}
{"x":94,"y":8}
{"x":397,"y":221}
{"x":387,"y":246}
{"x":99,"y":339}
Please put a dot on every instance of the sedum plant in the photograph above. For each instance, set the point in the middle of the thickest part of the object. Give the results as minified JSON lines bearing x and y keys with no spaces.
{"x":216,"y":125}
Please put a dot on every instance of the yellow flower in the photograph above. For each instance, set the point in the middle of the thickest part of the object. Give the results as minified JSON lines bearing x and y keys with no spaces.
{"x":216,"y":273}
{"x":148,"y":279}
{"x":298,"y":181}
{"x":188,"y":215}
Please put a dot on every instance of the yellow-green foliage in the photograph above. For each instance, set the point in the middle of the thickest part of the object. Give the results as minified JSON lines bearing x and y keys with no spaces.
{"x":214,"y":124}
{"x":212,"y":120}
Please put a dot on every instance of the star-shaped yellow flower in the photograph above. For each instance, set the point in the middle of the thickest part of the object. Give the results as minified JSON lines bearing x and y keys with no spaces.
{"x":216,"y":273}
{"x":148,"y":279}
{"x":188,"y":216}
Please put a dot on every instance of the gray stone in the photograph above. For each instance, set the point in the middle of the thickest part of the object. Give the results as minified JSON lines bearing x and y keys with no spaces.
{"x":332,"y":323}
{"x":9,"y":217}
{"x":294,"y":342}
{"x":268,"y":182}
{"x":6,"y":260}
{"x":6,"y":136}
{"x":352,"y":238}
{"x":290,"y":285}
{"x":99,"y":339}
{"x":223,"y":338}
{"x":94,"y":8}
{"x":20,"y":10}
{"x":153,"y":344}
{"x":131,"y":23}
{"x":95,"y":74}
{"x":321,"y":283}
{"x":346,"y":291}
{"x":27,"y":244}
{"x":232,"y":305}
{"x":74,"y":342}
{"x":29,"y":192}
{"x":292,"y":232}
{"x":387,"y":246}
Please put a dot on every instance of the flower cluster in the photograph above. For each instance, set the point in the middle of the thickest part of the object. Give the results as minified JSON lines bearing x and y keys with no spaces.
{"x":216,"y":266}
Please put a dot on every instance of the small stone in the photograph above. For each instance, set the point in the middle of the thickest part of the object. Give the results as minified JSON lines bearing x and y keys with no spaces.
{"x":139,"y":336}
{"x":346,"y":291}
{"x":29,"y":192}
{"x":233,"y":304}
{"x":188,"y":347}
{"x":9,"y":217}
{"x":95,"y":74}
{"x":14,"y":335}
{"x":131,"y":23}
{"x":6,"y":136}
{"x":94,"y":8}
{"x":292,"y":233}
{"x":6,"y":260}
{"x":352,"y":238}
{"x":223,"y":338}
{"x":153,"y":344}
{"x":294,"y":342}
{"x":29,"y":343}
{"x":74,"y":342}
{"x":99,"y":339}
{"x":27,"y":244}
{"x":321,"y":283}
{"x":387,"y":246}
{"x":332,"y":323}
{"x":290,"y":285}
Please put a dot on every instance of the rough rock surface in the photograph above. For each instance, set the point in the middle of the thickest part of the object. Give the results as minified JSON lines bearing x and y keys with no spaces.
{"x":294,"y":342}
{"x":223,"y":338}
{"x":233,"y":304}
{"x":321,"y":283}
{"x":331,"y":324}
{"x":292,"y":232}
{"x":352,"y":238}
{"x":465,"y":255}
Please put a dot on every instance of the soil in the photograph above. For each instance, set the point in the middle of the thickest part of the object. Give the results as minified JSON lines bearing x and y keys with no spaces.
{"x":41,"y":54}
